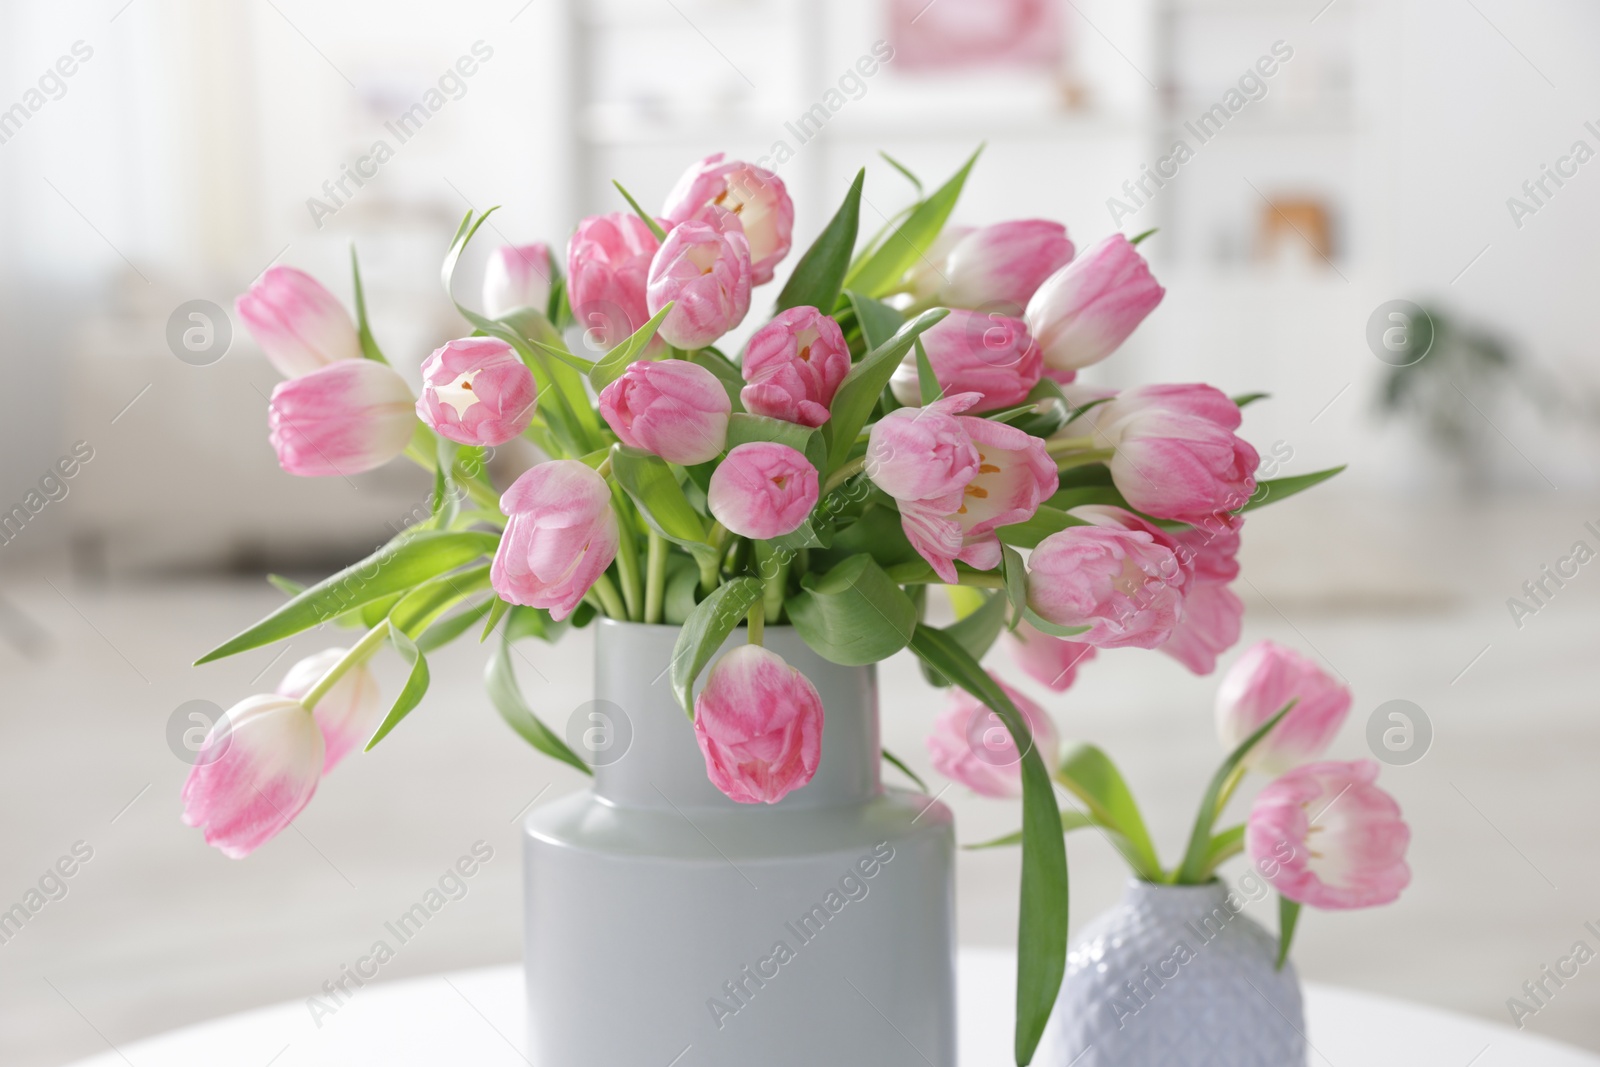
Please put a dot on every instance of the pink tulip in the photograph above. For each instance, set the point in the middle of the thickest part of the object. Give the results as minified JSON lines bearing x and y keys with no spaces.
{"x":1177,"y":456}
{"x":756,"y":197}
{"x":348,"y":713}
{"x":477,"y":391}
{"x":560,"y":537}
{"x":298,"y":324}
{"x":763,"y":489}
{"x":759,"y":725}
{"x":971,"y":745}
{"x":671,"y":407}
{"x":1324,"y":835}
{"x":259,"y":766}
{"x":922,"y":454}
{"x":703,"y":270}
{"x":1210,"y":625}
{"x":608,"y":263}
{"x":1085,"y":310}
{"x":1000,"y":267}
{"x":974,"y":352}
{"x":1257,"y":687}
{"x":1211,"y":550}
{"x":1014,"y":475}
{"x":794,"y":365}
{"x":348,"y":417}
{"x":926,"y":279}
{"x":1050,"y":661}
{"x":517,"y":277}
{"x":1119,"y":577}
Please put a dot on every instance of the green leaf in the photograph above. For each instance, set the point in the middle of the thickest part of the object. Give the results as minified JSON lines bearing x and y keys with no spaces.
{"x":904,"y":170}
{"x":1148,"y":233}
{"x":1091,"y":776}
{"x":394,"y":568}
{"x":854,"y":615}
{"x":878,"y":274}
{"x":650,"y":483}
{"x":878,"y":321}
{"x":615,"y":362}
{"x":285,"y":585}
{"x":1224,"y":844}
{"x":369,"y":346}
{"x":728,"y":374}
{"x":705,"y":630}
{"x":649,"y":219}
{"x":744,"y":428}
{"x":928,"y":388}
{"x":1282,"y":488}
{"x":898,"y":764}
{"x":819,"y":273}
{"x":679,"y":603}
{"x":878,"y":532}
{"x":1070,"y":821}
{"x":1244,"y":400}
{"x":500,"y":679}
{"x":975,"y":632}
{"x":1016,"y":575}
{"x":411,"y":695}
{"x":1077,"y":496}
{"x":1192,"y":870}
{"x":1288,"y":917}
{"x":497,"y":611}
{"x":853,"y":403}
{"x":417,"y":610}
{"x":1044,"y":522}
{"x":445,"y":630}
{"x":1042,"y":919}
{"x":1045,"y":626}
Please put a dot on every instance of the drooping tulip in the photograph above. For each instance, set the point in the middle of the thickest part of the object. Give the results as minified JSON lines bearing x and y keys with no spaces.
{"x":1257,"y":687}
{"x":759,"y":724}
{"x":477,"y":391}
{"x":763,"y":489}
{"x":1118,"y":576}
{"x":974,"y":352}
{"x":298,"y":323}
{"x":516,"y":276}
{"x":794,"y":365}
{"x":1324,"y":835}
{"x":671,"y":407}
{"x":1000,"y":267}
{"x":258,"y":767}
{"x":608,"y":267}
{"x":1177,"y":456}
{"x":1210,"y":625}
{"x":349,"y":711}
{"x":1084,"y":311}
{"x":560,"y":536}
{"x":971,"y":745}
{"x":703,"y":270}
{"x":1050,"y":661}
{"x":346,"y":418}
{"x":755,"y":196}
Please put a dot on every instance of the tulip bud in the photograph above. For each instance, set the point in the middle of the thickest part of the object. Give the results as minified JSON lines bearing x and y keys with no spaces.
{"x":257,"y":769}
{"x":755,"y":196}
{"x":923,"y":453}
{"x":560,"y":536}
{"x":1177,"y":456}
{"x":517,"y":277}
{"x":926,"y":278}
{"x":1000,"y":267}
{"x":762,"y":489}
{"x":794,"y":365}
{"x":1257,"y":687}
{"x":347,"y":418}
{"x":759,"y":725}
{"x":1324,"y":835}
{"x":671,"y":407}
{"x":608,"y":262}
{"x":1085,"y":310}
{"x":347,"y":713}
{"x":1123,"y":581}
{"x":971,"y":745}
{"x":477,"y":391}
{"x":703,"y":270}
{"x":1050,"y":661}
{"x":298,"y":324}
{"x":974,"y":352}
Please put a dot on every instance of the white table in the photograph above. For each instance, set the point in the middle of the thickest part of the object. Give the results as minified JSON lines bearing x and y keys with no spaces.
{"x":475,"y":1017}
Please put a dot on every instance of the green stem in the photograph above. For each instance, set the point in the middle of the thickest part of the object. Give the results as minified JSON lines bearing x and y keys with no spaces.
{"x":1083,"y":459}
{"x":916,"y":572}
{"x":757,"y":622}
{"x":777,"y":584}
{"x":655,"y":580}
{"x":1228,"y":788}
{"x":1058,"y":445}
{"x":844,"y":474}
{"x":361,"y":651}
{"x":609,"y":600}
{"x":710,"y":565}
{"x":628,"y":560}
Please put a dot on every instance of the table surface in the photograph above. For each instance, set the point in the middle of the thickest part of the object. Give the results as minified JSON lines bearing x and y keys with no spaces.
{"x":476,"y":1017}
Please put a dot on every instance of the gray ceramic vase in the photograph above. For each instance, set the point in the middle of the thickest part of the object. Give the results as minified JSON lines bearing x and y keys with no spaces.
{"x":666,"y":924}
{"x":1175,"y":976}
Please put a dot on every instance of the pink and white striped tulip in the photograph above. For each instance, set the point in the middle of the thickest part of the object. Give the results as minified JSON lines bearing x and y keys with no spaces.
{"x":755,"y":196}
{"x":608,"y":266}
{"x":1120,"y":577}
{"x":259,"y":766}
{"x":517,"y":276}
{"x":921,"y":454}
{"x":674,"y":408}
{"x":347,"y":714}
{"x":1050,"y":661}
{"x":926,"y":278}
{"x":1000,"y":267}
{"x":560,"y":537}
{"x":974,"y":352}
{"x":763,"y":489}
{"x":477,"y":391}
{"x":794,"y":365}
{"x":346,"y":418}
{"x":298,"y":323}
{"x":1177,"y":456}
{"x":1210,"y":625}
{"x":759,"y":725}
{"x":971,"y":745}
{"x":1211,"y":550}
{"x":1257,"y":687}
{"x":1084,"y":311}
{"x":1325,"y":835}
{"x":703,"y":270}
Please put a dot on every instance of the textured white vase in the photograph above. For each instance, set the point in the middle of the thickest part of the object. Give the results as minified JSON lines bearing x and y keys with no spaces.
{"x":1175,"y":976}
{"x":666,"y":924}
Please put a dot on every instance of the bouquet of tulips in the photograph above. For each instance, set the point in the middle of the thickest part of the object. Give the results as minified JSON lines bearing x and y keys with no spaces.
{"x":908,"y":416}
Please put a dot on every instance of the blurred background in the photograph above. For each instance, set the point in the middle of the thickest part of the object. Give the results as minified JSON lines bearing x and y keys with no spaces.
{"x":1415,"y":150}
